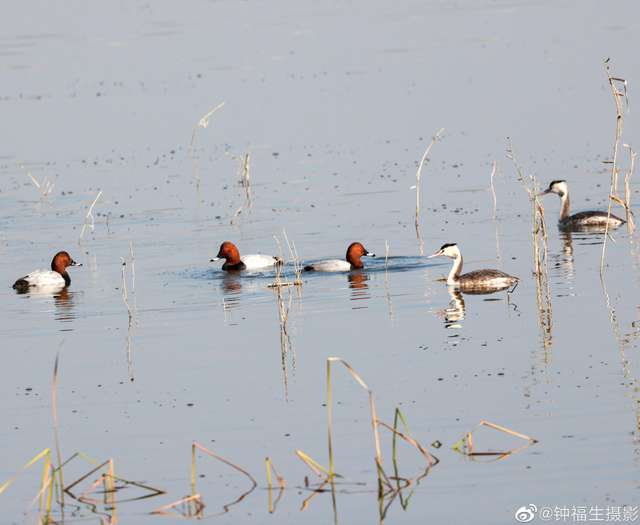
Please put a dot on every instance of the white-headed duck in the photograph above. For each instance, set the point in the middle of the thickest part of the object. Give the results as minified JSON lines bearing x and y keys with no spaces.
{"x":229,"y":252}
{"x":353,"y":262}
{"x":57,"y":276}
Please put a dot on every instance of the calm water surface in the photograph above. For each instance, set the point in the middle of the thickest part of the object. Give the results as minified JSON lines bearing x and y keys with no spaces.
{"x":336,"y":104}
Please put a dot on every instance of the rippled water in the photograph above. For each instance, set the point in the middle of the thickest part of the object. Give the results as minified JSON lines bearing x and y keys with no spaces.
{"x":335,"y":105}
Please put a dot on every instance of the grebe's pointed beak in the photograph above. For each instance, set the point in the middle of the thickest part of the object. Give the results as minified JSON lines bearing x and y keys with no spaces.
{"x":544,"y":192}
{"x":435,"y":254}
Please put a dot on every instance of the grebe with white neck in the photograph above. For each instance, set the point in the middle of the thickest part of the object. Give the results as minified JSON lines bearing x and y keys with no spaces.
{"x":589,"y":219}
{"x":475,"y":279}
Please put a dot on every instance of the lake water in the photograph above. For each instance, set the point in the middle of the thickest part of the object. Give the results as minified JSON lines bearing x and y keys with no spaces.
{"x":336,"y":103}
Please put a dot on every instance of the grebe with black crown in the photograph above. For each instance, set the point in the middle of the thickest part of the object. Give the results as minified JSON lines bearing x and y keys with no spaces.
{"x":475,"y":279}
{"x":589,"y":219}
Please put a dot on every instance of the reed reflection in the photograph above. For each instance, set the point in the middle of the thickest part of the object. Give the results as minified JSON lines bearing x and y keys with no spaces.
{"x":627,"y":343}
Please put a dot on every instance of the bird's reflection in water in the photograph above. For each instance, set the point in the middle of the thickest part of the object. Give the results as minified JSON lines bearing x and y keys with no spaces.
{"x":65,"y":305}
{"x":563,"y":261}
{"x":359,"y":287}
{"x":64,"y":300}
{"x":232,"y":288}
{"x":456,"y":311}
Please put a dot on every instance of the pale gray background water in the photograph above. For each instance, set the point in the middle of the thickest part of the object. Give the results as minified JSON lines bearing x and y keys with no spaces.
{"x":337,"y":102}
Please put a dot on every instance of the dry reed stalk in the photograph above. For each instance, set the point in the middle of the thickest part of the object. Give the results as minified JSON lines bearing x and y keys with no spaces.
{"x":469,"y":441}
{"x":626,"y":203}
{"x":46,"y":483}
{"x":294,"y":260}
{"x":386,"y":284}
{"x":111,"y":473}
{"x":411,"y":440}
{"x":110,"y":487}
{"x":46,"y":452}
{"x":237,"y":212}
{"x":204,"y":122}
{"x":133,"y":269}
{"x":47,"y":478}
{"x":297,"y":266}
{"x":126,"y":302}
{"x":495,"y":201}
{"x":245,"y":177}
{"x":417,"y":186}
{"x":617,"y":95}
{"x":196,"y":498}
{"x":243,"y":164}
{"x":4,"y":241}
{"x":283,"y":312}
{"x":495,"y":204}
{"x":47,"y":185}
{"x":87,"y":218}
{"x":124,"y":290}
{"x":539,"y":238}
{"x":280,"y":479}
{"x":135,"y":306}
{"x":270,"y":466}
{"x":193,"y":459}
{"x":85,"y":476}
{"x":373,"y":412}
{"x":55,"y":418}
{"x":313,"y":464}
{"x":193,"y":464}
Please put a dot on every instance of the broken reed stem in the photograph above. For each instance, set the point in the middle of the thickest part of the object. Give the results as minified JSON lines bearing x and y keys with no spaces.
{"x":133,"y":269}
{"x":329,"y":416}
{"x":417,"y":186}
{"x":280,"y":479}
{"x":48,"y":187}
{"x":124,"y":290}
{"x":245,"y":179}
{"x":294,"y":258}
{"x":55,"y":421}
{"x":374,"y":419}
{"x":204,"y":122}
{"x":495,"y":200}
{"x":87,"y":217}
{"x":386,"y":284}
{"x":614,"y":169}
{"x":495,"y":205}
{"x":243,"y":164}
{"x":193,"y":464}
{"x":539,"y":238}
{"x":631,"y":223}
{"x":237,"y":212}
